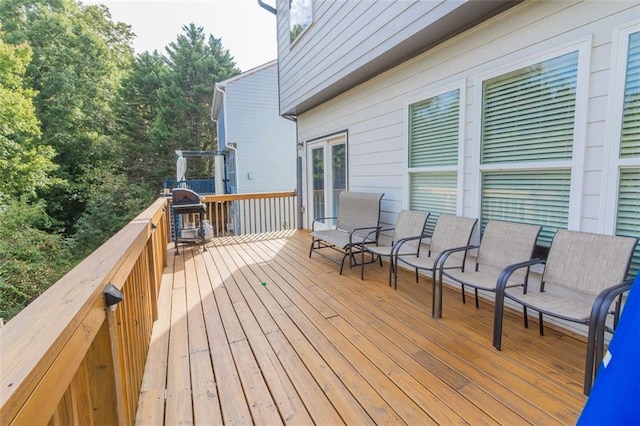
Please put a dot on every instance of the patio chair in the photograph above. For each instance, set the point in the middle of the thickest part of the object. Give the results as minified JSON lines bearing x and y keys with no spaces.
{"x":583,"y":274}
{"x":358,"y":215}
{"x":410,"y":225}
{"x":449,"y":232}
{"x":502,"y":244}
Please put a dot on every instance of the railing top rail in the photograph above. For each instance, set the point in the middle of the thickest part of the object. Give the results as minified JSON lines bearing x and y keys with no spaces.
{"x":33,"y":338}
{"x":250,"y":196}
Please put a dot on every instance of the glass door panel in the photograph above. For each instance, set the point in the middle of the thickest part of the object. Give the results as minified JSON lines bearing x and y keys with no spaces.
{"x":327,"y":177}
{"x":317,"y":183}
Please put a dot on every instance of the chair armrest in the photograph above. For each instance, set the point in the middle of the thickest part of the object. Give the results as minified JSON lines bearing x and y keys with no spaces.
{"x":374,"y":229}
{"x":603,"y":301}
{"x":313,"y":224}
{"x":446,"y":253}
{"x":398,"y":244}
{"x":506,"y":273}
{"x":597,"y":326}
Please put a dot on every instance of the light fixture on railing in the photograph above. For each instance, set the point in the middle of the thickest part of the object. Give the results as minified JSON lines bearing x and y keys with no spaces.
{"x":112,"y":296}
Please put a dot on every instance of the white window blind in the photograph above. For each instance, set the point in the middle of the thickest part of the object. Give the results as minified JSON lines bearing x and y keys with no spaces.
{"x":433,"y":131}
{"x":628,"y":214}
{"x":537,"y":197}
{"x":433,"y":155}
{"x":528,"y":114}
{"x":630,"y":138}
{"x":628,"y":220}
{"x":433,"y":192}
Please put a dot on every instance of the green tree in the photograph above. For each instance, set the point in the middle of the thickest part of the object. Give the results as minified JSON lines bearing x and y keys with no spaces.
{"x":111,"y":203}
{"x":24,"y":164}
{"x":79,"y":57}
{"x":137,"y":108}
{"x":184,"y":100}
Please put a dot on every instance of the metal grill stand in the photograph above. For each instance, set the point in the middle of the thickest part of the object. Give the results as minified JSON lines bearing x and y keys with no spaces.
{"x":187,"y":202}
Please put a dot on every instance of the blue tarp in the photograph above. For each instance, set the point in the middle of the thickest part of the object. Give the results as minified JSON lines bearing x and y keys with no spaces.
{"x":615,"y":397}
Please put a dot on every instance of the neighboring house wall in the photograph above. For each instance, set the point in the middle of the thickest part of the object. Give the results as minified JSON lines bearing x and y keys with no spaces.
{"x":349,"y":42}
{"x":375,"y":114}
{"x":248,"y":119}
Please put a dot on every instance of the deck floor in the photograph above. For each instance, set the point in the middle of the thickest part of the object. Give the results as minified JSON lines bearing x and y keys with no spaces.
{"x":252,"y":331}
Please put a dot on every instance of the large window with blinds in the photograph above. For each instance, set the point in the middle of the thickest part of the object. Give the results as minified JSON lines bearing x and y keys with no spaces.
{"x":434,"y":136}
{"x":628,"y":212}
{"x":528,"y":120}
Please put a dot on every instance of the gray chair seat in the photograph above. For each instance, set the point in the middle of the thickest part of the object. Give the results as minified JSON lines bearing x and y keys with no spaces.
{"x":593,"y":268}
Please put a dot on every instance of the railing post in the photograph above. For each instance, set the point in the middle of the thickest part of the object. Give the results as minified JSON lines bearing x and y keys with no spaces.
{"x":118,"y":373}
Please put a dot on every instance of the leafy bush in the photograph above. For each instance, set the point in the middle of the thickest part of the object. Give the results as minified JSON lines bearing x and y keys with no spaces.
{"x":113,"y":202}
{"x":31,"y":257}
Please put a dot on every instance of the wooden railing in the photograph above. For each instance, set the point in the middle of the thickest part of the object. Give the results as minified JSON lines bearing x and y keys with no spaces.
{"x":67,"y":358}
{"x":240,"y":214}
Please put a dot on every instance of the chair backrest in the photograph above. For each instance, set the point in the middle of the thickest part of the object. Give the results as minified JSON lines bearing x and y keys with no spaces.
{"x":358,"y":210}
{"x":410,"y":223}
{"x":588,"y":262}
{"x":451,"y":232}
{"x":504,"y":243}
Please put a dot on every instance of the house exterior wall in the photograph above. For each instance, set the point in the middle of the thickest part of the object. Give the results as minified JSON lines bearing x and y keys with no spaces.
{"x":351,"y":40}
{"x":265,"y":142}
{"x":375,"y":113}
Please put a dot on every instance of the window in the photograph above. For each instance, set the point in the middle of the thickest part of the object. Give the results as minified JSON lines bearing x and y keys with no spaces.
{"x":434,"y":137}
{"x":628,"y":212}
{"x":528,"y":120}
{"x":300,"y":16}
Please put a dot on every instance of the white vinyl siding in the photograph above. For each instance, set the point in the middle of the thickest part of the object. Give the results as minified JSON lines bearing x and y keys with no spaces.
{"x":357,"y":40}
{"x":265,"y":142}
{"x":528,"y":116}
{"x":628,"y":213}
{"x":434,"y":134}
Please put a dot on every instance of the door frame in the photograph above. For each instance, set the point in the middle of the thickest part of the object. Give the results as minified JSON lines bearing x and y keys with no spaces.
{"x":326,"y":142}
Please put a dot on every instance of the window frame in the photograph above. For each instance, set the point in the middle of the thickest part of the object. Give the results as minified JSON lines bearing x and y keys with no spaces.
{"x":576,"y":164}
{"x":458,"y":168}
{"x":613,"y":130}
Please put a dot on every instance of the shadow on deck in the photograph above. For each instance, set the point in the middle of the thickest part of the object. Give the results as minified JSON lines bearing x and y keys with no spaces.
{"x":253,"y":331}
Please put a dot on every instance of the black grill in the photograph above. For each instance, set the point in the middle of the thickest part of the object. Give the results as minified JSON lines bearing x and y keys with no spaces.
{"x":182,"y":197}
{"x":185,"y":201}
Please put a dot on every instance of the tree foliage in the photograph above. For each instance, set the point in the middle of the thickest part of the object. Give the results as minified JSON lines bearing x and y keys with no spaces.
{"x":24,"y":165}
{"x":79,"y":57}
{"x":184,"y":100}
{"x":136,"y":109}
{"x":88,"y":132}
{"x":31,"y":258}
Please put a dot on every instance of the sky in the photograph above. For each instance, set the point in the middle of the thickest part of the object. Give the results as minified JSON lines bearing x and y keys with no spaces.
{"x":246,"y":30}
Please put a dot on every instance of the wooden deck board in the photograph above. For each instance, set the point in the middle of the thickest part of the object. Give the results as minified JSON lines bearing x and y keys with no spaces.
{"x":253,"y":331}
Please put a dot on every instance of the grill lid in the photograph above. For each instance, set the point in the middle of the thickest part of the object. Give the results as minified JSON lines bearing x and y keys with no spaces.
{"x":183,"y":196}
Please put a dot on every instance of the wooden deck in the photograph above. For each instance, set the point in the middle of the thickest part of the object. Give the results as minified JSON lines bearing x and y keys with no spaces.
{"x":253,"y":331}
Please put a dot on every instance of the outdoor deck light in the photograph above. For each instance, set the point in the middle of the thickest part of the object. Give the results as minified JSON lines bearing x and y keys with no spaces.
{"x":112,"y":296}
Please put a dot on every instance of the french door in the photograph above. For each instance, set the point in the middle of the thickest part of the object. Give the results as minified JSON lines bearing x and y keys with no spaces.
{"x":326,"y":177}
